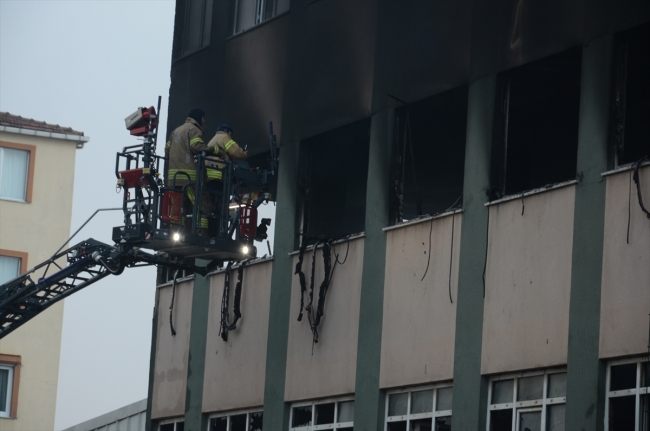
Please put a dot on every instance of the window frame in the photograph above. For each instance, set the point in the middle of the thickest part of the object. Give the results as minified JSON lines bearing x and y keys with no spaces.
{"x":170,"y":421}
{"x":417,"y":416}
{"x":524,"y":406}
{"x":228,"y":414}
{"x":313,"y":404}
{"x":186,"y":17}
{"x":31,"y":149}
{"x":18,"y":255}
{"x":13,"y":362}
{"x":260,"y":15}
{"x":637,"y":391}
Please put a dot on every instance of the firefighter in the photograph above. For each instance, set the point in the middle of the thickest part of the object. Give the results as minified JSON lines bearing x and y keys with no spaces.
{"x":223,"y":140}
{"x":184,"y":142}
{"x":228,"y":150}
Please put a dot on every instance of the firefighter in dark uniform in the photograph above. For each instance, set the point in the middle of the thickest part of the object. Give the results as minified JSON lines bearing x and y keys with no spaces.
{"x":184,"y":142}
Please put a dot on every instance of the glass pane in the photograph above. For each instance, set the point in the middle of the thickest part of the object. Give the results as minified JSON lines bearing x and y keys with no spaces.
{"x":622,"y":413}
{"x":246,"y":10}
{"x":167,"y":427}
{"x":193,"y":21}
{"x":502,"y":391}
{"x":530,"y":388}
{"x":422,"y":401}
{"x":556,"y":385}
{"x":501,"y":420}
{"x":4,"y":386}
{"x":301,"y":416}
{"x":180,"y":426}
{"x":623,"y":377}
{"x":397,"y":404}
{"x":238,"y":423}
{"x":346,"y":411}
{"x":281,"y":6}
{"x":219,"y":424}
{"x":269,"y":9}
{"x":256,"y":421}
{"x":9,"y":268}
{"x":13,"y":183}
{"x":444,"y":399}
{"x":555,"y":417}
{"x":530,"y":421}
{"x":325,"y":414}
{"x":421,"y":425}
{"x":396,"y":426}
{"x":443,"y":423}
{"x":207,"y":23}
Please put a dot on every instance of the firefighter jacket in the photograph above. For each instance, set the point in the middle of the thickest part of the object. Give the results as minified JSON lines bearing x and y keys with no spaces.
{"x":184,"y":142}
{"x":228,"y":150}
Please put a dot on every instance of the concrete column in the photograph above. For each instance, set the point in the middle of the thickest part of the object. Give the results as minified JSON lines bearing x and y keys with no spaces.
{"x":470,"y":388}
{"x":195,"y":420}
{"x":586,"y":373}
{"x":276,"y":411}
{"x":369,"y":400}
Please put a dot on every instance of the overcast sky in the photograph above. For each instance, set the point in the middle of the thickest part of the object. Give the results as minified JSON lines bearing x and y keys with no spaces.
{"x":87,"y":65}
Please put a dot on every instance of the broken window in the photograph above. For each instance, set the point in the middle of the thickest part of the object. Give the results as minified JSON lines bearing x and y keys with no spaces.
{"x":628,"y":383}
{"x":540,"y":402}
{"x":429,"y":155}
{"x":631,"y":98}
{"x":536,"y":124}
{"x":426,"y":408}
{"x":237,"y":421}
{"x":332,"y":182}
{"x":323,"y":415}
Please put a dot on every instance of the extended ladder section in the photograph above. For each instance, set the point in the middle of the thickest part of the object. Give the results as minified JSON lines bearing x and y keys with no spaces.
{"x":66,"y":273}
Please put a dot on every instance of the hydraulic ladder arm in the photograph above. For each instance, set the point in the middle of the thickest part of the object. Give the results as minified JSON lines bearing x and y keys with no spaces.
{"x":23,"y":298}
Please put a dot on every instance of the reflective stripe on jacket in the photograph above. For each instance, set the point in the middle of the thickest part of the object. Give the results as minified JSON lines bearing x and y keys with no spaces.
{"x":228,"y":146}
{"x":184,"y":142}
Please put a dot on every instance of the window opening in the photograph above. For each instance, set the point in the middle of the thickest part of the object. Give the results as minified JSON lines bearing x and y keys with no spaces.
{"x":323,"y":415}
{"x":429,"y":154}
{"x":14,"y":170}
{"x":249,"y":13}
{"x":426,"y":408}
{"x":627,"y":406}
{"x":250,"y":420}
{"x":166,"y":275}
{"x":631,"y":98}
{"x":536,"y":129}
{"x":332,"y":182}
{"x":534,"y":401}
{"x":177,"y":424}
{"x":198,"y":23}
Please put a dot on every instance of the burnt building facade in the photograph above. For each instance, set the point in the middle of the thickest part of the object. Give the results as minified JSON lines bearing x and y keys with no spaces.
{"x":475,"y":167}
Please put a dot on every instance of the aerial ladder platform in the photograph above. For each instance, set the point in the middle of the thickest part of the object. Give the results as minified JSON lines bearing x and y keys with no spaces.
{"x":161,"y":225}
